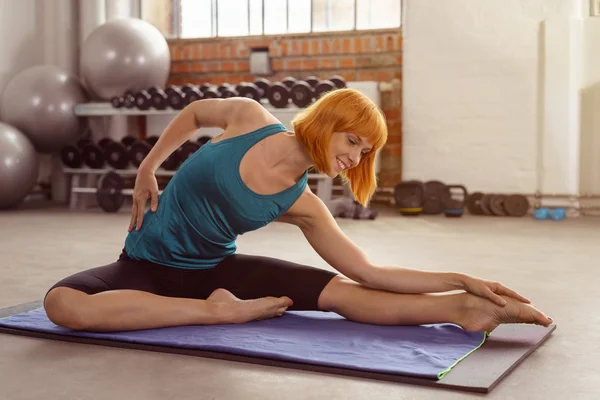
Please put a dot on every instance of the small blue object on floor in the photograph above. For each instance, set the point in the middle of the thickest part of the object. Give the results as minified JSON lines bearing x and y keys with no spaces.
{"x":318,"y":338}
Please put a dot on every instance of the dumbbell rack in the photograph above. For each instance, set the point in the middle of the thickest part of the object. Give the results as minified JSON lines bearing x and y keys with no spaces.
{"x":83,"y":180}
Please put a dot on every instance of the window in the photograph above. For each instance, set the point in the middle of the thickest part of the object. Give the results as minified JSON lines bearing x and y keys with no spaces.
{"x":225,"y":18}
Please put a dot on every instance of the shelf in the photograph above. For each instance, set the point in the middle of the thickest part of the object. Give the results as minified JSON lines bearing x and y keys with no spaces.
{"x":106,"y":109}
{"x":102,"y":171}
{"x":92,"y":190}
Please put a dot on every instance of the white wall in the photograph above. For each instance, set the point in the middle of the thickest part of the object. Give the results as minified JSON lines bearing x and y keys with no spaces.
{"x":589,"y":96}
{"x":487,"y":83}
{"x":21,"y":37}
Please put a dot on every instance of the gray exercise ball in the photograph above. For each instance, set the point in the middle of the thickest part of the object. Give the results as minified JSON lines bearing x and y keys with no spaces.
{"x":40,"y":102}
{"x":124,"y":54}
{"x":18,"y":166}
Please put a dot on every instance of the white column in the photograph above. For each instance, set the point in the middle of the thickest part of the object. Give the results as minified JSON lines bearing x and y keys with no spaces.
{"x":60,"y":49}
{"x":118,"y":9}
{"x":92,"y":13}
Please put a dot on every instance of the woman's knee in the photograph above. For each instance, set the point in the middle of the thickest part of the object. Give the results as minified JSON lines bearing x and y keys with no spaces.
{"x":65,"y":307}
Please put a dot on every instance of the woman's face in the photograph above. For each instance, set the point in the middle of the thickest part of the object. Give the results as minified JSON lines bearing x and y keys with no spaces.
{"x":346,"y":150}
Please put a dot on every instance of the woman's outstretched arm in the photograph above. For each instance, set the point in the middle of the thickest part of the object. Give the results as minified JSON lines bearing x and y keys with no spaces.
{"x":329,"y":241}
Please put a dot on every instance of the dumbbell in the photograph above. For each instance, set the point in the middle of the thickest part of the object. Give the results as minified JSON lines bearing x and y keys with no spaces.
{"x":338,"y":81}
{"x":92,"y":154}
{"x":250,"y":90}
{"x":556,"y":214}
{"x":192,"y":93}
{"x":279,"y":94}
{"x":263,"y":84}
{"x":304,"y":92}
{"x":209,"y":91}
{"x":455,"y":207}
{"x":153,"y":97}
{"x":119,"y":154}
{"x":227,"y":90}
{"x":187,"y":149}
{"x":141,"y":151}
{"x":70,"y":154}
{"x":176,"y":98}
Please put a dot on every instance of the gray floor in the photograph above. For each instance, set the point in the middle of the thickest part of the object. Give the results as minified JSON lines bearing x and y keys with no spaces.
{"x":553,"y":263}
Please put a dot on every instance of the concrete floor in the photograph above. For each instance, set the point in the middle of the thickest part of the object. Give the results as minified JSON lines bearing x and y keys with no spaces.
{"x":556,"y":264}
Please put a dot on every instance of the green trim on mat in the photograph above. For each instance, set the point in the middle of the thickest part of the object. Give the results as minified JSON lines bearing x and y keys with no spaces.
{"x":443,"y":373}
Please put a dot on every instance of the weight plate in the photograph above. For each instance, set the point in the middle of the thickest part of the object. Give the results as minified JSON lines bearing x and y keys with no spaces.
{"x":194,"y":95}
{"x":496,"y":205}
{"x":176,"y":100}
{"x":81,"y":143}
{"x":172,"y":162}
{"x":93,"y":156}
{"x":289,"y":81}
{"x":338,"y":81}
{"x":109,"y":192}
{"x":473,"y":203}
{"x":151,"y":140}
{"x":171,"y":89}
{"x":127,"y":141}
{"x":159,"y":100}
{"x":152,"y":89}
{"x":278,"y":95}
{"x":434,"y":197}
{"x":212,"y":93}
{"x":116,"y":155}
{"x":187,"y":149}
{"x":484,"y":203}
{"x":251,"y":91}
{"x":229,"y":92}
{"x":302,"y":94}
{"x":516,"y":205}
{"x":117,"y":101}
{"x":205,"y":86}
{"x":312,"y":81}
{"x":128,"y":100}
{"x":104,"y":141}
{"x":71,"y":156}
{"x":322,"y":88}
{"x":409,"y":197}
{"x":263,"y":84}
{"x":188,"y":87}
{"x":138,"y":152}
{"x":143,"y":100}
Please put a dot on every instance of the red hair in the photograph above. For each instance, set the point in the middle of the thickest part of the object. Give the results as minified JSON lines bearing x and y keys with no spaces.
{"x":344,"y":110}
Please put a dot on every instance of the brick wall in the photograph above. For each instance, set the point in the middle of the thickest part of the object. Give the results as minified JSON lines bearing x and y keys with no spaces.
{"x":373,"y":55}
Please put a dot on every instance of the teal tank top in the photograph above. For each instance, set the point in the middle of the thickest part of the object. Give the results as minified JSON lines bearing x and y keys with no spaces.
{"x":206,"y":205}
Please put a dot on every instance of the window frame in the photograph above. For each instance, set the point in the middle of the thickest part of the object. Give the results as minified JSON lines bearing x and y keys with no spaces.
{"x":176,"y":21}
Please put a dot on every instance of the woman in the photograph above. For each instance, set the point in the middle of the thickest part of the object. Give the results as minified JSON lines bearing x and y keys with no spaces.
{"x":180,"y":267}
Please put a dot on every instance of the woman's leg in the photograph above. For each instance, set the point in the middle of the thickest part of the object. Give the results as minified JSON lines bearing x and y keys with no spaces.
{"x":361,"y":304}
{"x":130,"y":295}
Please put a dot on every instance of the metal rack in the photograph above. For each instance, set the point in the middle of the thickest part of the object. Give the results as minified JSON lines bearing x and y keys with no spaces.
{"x":83,"y":182}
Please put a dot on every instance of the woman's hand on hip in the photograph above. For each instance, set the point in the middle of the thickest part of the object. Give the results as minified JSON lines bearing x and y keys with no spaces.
{"x":146,"y":187}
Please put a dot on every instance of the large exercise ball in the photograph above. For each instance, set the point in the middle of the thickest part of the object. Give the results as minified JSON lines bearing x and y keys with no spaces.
{"x":124,"y":54}
{"x":40,"y":101}
{"x":18,"y":166}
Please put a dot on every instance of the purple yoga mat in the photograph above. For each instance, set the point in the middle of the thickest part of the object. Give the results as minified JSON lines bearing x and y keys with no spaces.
{"x":321,"y":338}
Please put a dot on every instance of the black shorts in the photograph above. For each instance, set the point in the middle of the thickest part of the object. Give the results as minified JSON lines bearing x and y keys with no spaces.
{"x":246,"y":276}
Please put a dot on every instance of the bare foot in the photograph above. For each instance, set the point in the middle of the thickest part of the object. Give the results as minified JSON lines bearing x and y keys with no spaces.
{"x":250,"y":310}
{"x":480,"y":314}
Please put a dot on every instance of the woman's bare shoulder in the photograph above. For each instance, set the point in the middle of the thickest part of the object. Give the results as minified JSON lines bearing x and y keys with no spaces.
{"x":250,"y":116}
